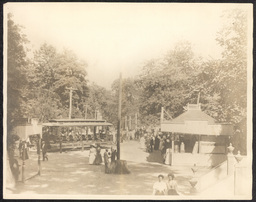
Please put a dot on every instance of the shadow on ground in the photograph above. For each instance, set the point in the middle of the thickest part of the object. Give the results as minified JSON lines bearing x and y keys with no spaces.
{"x":155,"y":156}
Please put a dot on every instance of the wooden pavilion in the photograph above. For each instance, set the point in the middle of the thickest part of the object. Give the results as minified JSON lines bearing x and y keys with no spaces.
{"x":199,"y":138}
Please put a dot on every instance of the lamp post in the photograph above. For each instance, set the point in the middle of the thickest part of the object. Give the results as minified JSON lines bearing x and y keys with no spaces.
{"x":193,"y":182}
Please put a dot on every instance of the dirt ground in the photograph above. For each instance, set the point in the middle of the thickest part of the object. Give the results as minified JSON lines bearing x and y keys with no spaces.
{"x":69,"y":173}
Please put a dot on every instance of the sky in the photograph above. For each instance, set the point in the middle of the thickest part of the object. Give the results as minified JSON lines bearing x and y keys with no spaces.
{"x":119,"y":37}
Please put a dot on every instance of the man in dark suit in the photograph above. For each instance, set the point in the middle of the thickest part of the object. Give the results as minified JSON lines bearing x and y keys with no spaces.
{"x":44,"y":150}
{"x":113,"y":161}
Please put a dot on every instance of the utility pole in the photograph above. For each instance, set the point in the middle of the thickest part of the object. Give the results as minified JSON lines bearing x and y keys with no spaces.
{"x":96,"y":113}
{"x":125,"y":123}
{"x":198,"y":98}
{"x":39,"y":154}
{"x":70,"y":101}
{"x":86,"y":111}
{"x":119,"y":117}
{"x":162,"y":114}
{"x":130,"y":122}
{"x":23,"y":162}
{"x":136,"y":121}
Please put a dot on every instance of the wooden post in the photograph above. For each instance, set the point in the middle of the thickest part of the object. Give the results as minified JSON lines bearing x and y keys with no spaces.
{"x":87,"y":133}
{"x":130,"y":122}
{"x":162,"y":114}
{"x":39,"y":155}
{"x":60,"y":144}
{"x":82,"y":141}
{"x":136,"y":121}
{"x":199,"y":144}
{"x":172,"y":155}
{"x":125,"y":122}
{"x":96,"y":111}
{"x":198,"y":98}
{"x":23,"y":162}
{"x":70,"y":101}
{"x":119,"y":117}
{"x":85,"y":112}
{"x":94,"y":132}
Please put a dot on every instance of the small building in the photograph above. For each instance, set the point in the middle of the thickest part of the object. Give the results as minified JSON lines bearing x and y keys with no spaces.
{"x":26,"y":127}
{"x":199,"y":139}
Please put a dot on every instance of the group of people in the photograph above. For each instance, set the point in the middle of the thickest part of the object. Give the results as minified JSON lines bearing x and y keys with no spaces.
{"x":165,"y":188}
{"x":95,"y":158}
{"x":110,"y":161}
{"x":157,"y":141}
{"x":23,"y":149}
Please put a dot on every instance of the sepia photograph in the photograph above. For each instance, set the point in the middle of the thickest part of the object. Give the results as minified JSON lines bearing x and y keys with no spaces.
{"x":127,"y":101}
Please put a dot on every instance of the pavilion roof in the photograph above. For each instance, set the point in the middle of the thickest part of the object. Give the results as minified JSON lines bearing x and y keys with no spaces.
{"x":195,"y":121}
{"x":193,"y":115}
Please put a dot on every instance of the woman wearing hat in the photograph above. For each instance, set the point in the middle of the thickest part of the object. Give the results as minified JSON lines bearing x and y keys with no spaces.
{"x":98,"y":157}
{"x":172,"y":185}
{"x":160,"y":187}
{"x":92,"y":155}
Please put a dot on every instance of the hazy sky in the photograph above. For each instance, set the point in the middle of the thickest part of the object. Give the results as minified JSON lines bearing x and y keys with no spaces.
{"x":116,"y":38}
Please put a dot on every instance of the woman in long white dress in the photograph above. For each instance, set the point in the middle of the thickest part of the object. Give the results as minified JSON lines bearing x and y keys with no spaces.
{"x":142,"y":142}
{"x":92,"y":155}
{"x":168,"y":156}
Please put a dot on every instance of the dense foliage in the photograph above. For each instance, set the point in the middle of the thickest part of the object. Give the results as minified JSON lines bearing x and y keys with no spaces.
{"x":38,"y":88}
{"x":17,"y":62}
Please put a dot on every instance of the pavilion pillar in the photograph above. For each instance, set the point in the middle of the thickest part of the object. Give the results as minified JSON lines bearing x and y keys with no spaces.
{"x":172,"y":150}
{"x":60,"y":138}
{"x":39,"y":153}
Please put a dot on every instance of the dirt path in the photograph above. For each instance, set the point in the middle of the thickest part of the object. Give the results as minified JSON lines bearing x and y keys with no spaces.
{"x":69,"y":173}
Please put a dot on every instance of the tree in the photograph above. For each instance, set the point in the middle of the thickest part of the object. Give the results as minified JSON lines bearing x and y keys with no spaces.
{"x":17,"y":62}
{"x":101,"y":99}
{"x":224,"y":81}
{"x":168,"y":82}
{"x":233,"y":77}
{"x":16,"y":81}
{"x":130,"y":97}
{"x":50,"y":74}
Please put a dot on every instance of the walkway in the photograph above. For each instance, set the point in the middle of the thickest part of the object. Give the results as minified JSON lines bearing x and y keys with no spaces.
{"x":69,"y":173}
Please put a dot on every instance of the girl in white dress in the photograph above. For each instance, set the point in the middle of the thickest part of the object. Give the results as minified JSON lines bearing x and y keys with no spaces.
{"x":92,"y":155}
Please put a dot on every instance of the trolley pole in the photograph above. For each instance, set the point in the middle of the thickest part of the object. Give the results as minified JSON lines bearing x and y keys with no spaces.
{"x":70,"y":101}
{"x":86,"y":111}
{"x":119,"y":117}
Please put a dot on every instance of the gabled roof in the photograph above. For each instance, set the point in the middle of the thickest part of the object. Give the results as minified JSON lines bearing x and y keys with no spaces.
{"x":194,"y":121}
{"x":193,"y":115}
